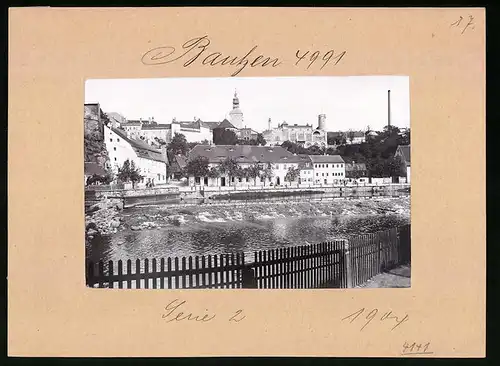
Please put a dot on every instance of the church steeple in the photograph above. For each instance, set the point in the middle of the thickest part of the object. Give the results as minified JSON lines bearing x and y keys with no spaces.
{"x":236,"y":101}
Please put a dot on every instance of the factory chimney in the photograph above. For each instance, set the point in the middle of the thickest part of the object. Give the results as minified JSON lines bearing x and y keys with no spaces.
{"x":269,"y":124}
{"x":389,"y":108}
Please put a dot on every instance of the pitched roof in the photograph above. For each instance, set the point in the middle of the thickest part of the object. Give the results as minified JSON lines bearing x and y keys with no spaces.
{"x":210,"y":125}
{"x":131,"y":123}
{"x":326,"y":158}
{"x":156,"y":127}
{"x":355,"y":166}
{"x":244,"y":153}
{"x":225,"y":124}
{"x":142,"y":149}
{"x":405,"y":151}
{"x":93,"y":169}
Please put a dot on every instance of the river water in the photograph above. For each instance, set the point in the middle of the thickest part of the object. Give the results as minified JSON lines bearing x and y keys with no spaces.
{"x":236,"y":231}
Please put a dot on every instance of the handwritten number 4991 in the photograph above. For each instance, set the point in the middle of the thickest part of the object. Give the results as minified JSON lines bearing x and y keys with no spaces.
{"x":311,"y":58}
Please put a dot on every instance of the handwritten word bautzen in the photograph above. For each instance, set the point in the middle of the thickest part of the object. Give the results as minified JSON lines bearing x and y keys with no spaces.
{"x":198,"y":49}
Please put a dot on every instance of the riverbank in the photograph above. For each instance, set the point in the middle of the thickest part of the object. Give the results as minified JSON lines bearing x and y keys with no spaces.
{"x":152,"y":217}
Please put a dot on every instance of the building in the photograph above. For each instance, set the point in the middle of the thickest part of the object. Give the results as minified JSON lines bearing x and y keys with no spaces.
{"x":177,"y":166}
{"x":194,"y":131}
{"x":306,"y":170}
{"x":355,"y":137}
{"x":346,"y":138}
{"x":157,"y":134}
{"x":403,"y":153}
{"x":132,"y":128}
{"x":151,"y":162}
{"x":356,"y":172}
{"x":305,"y":135}
{"x":247,"y":134}
{"x":236,"y":114}
{"x":328,"y":169}
{"x":278,"y":159}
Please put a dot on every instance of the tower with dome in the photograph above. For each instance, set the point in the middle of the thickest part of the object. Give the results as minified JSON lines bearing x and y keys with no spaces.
{"x":236,"y":115}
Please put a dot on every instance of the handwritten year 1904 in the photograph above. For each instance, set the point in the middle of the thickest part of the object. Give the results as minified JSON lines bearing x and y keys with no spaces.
{"x":367,"y":318}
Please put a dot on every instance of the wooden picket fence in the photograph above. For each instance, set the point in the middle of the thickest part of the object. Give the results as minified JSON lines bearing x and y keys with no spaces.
{"x":371,"y":254}
{"x":333,"y":264}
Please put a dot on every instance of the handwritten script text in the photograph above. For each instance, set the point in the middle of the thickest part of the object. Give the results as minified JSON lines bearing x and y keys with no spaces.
{"x":174,"y":312}
{"x":366,"y":319}
{"x":198,"y":49}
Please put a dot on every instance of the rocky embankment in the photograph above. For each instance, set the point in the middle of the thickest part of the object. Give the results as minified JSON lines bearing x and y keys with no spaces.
{"x":103,"y":218}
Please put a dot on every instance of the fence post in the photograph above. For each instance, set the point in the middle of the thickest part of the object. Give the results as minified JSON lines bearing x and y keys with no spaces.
{"x":347,"y":265}
{"x":248,"y":277}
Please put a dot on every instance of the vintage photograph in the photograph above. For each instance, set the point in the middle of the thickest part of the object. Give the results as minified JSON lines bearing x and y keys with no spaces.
{"x":247,"y":183}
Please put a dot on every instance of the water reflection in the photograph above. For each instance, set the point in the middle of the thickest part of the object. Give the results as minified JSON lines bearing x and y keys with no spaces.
{"x":229,"y":237}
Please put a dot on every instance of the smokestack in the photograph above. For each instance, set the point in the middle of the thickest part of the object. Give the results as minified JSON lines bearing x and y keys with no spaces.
{"x":389,"y":108}
{"x":269,"y":124}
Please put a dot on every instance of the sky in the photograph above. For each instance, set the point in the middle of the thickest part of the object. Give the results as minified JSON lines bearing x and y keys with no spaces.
{"x":350,"y":103}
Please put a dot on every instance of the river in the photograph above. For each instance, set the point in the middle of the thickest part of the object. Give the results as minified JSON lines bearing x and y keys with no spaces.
{"x":210,"y":229}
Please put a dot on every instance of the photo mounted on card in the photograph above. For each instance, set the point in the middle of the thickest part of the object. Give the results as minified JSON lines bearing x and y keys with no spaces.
{"x":258,"y":189}
{"x":254,"y":184}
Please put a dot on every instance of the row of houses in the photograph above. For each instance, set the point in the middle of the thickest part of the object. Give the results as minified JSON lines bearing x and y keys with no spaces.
{"x":122,"y":144}
{"x":311,"y":169}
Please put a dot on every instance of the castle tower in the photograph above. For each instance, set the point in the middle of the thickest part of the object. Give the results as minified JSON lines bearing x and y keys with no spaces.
{"x":236,"y":115}
{"x":322,"y":122}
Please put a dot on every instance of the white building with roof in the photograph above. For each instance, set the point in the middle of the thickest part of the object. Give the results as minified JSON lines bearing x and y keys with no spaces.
{"x":305,"y":135}
{"x":279,"y":159}
{"x":151,"y":162}
{"x":328,"y":169}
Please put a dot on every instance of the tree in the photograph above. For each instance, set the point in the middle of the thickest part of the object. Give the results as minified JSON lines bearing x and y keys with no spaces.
{"x":350,"y":136}
{"x":267,"y":173}
{"x":292,"y":174}
{"x":179,"y":144}
{"x":129,"y":173}
{"x":197,"y":167}
{"x":254,"y":171}
{"x":229,"y":167}
{"x":222,"y":136}
{"x":261,"y":140}
{"x":213,"y":172}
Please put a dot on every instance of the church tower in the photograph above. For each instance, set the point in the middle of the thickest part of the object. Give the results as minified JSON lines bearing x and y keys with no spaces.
{"x":236,"y":115}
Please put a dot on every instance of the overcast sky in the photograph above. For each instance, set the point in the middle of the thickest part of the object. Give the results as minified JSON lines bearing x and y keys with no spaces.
{"x":349,"y":102}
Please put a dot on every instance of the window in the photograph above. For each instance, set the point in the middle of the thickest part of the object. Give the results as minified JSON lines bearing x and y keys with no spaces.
{"x":232,"y":179}
{"x":284,"y":166}
{"x":118,"y":140}
{"x":110,"y":140}
{"x":239,"y":179}
{"x":322,"y":174}
{"x":197,"y":180}
{"x":246,"y":179}
{"x":115,"y":159}
{"x":317,"y":174}
{"x":327,"y":165}
{"x":158,"y":176}
{"x":327,"y":174}
{"x":114,"y":148}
